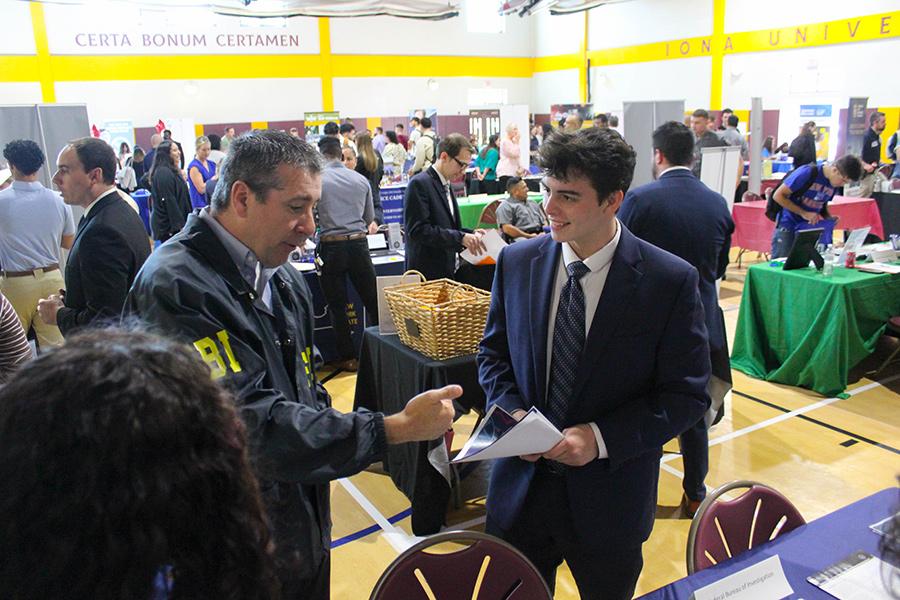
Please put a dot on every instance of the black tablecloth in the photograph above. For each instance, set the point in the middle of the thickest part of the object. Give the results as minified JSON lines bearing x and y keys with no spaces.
{"x":889,"y":207}
{"x":391,"y":373}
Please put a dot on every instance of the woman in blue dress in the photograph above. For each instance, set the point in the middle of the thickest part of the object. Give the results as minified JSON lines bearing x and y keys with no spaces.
{"x":200,"y":170}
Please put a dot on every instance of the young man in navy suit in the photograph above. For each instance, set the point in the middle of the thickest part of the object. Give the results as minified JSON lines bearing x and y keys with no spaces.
{"x":434,"y":235}
{"x":605,"y":335}
{"x":678,"y":213}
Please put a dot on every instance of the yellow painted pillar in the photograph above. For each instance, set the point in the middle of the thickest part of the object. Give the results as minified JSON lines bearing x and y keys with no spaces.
{"x":583,"y":62}
{"x":42,"y":45}
{"x":717,"y":51}
{"x":372,"y":123}
{"x":327,"y":68}
{"x":259,"y":125}
{"x":892,"y":121}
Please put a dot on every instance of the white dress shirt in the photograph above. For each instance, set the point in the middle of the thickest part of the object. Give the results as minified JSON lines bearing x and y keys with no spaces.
{"x":446,"y":183}
{"x":674,"y":169}
{"x":592,"y":284}
{"x":87,"y":209}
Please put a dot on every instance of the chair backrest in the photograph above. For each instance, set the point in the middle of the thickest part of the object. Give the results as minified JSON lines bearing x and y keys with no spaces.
{"x":722,"y":529}
{"x":489,"y":213}
{"x":486,"y":569}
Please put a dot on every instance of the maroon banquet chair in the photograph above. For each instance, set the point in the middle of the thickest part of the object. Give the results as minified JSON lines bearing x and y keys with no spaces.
{"x":722,"y":529}
{"x":488,"y":214}
{"x":486,"y":569}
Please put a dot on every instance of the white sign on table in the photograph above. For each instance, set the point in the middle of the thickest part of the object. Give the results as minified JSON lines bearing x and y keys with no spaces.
{"x":765,"y":579}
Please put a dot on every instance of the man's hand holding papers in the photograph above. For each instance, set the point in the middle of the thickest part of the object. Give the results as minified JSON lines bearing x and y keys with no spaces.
{"x":502,"y":435}
{"x":578,"y":447}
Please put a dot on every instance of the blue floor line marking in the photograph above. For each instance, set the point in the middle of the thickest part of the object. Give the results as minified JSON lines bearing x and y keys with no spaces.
{"x":369,"y":530}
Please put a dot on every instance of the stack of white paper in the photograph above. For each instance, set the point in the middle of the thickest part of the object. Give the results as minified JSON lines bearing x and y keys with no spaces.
{"x":500,"y":436}
{"x":494,"y":244}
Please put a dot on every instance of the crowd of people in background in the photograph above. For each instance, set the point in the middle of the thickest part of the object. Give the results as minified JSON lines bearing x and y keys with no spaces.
{"x":108,"y":480}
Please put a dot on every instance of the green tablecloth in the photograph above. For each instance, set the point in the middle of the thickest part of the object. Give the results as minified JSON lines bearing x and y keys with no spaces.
{"x":470,"y":207}
{"x":802,"y":328}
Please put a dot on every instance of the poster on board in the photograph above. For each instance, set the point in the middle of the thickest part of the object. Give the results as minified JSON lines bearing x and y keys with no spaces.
{"x":561,"y":111}
{"x":420,"y":113}
{"x":313,"y":122}
{"x":483,"y":124}
{"x":115,"y":133}
{"x":856,"y":125}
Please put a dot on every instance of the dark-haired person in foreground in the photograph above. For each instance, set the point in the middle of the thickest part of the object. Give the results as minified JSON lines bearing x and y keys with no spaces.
{"x":222,"y":285}
{"x":110,"y":242}
{"x":605,"y":335}
{"x":126,"y":475}
{"x":679,"y":214}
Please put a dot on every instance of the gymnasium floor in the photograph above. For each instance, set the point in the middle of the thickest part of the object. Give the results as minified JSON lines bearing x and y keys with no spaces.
{"x":822,"y":453}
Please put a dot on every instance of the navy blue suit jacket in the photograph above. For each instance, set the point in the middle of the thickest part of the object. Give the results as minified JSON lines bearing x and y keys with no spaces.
{"x":433,"y":235}
{"x":679,"y":214}
{"x":642,"y":378}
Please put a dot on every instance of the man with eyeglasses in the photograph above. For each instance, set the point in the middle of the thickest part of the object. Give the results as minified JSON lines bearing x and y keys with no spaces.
{"x":804,"y":194}
{"x":434,"y":236}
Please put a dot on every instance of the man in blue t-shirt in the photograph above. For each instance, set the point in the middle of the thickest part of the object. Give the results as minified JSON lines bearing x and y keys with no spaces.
{"x":810,"y":206}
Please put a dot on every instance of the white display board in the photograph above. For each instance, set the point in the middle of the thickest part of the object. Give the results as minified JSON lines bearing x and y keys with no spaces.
{"x":518,"y":114}
{"x":183,"y":131}
{"x":719,"y":171}
{"x":638,"y":123}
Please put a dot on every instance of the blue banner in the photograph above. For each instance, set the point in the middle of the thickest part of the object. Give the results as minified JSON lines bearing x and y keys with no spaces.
{"x":815,"y":110}
{"x":392,"y":203}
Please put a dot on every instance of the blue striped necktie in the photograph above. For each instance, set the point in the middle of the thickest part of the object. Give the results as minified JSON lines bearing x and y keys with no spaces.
{"x":568,"y":343}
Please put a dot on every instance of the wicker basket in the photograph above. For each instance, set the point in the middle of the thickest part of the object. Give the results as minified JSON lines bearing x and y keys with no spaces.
{"x":440,"y":318}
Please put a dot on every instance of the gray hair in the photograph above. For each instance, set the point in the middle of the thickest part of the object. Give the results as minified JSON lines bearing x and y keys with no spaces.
{"x":254,"y":158}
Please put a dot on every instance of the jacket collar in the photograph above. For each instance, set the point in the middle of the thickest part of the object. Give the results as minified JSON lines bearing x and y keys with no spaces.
{"x":676,"y":171}
{"x":96,"y":208}
{"x":200,"y":238}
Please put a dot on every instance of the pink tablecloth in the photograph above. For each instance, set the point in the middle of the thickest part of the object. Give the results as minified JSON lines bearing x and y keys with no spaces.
{"x":753,"y":231}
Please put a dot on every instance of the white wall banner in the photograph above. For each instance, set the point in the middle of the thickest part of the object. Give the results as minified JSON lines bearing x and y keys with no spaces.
{"x":18,"y":35}
{"x":128,"y":30}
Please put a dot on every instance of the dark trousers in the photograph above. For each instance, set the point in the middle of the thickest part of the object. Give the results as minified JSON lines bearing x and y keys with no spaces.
{"x":317,"y":587}
{"x":340,"y":259}
{"x":544,"y":532}
{"x":694,"y":444}
{"x":490,"y":186}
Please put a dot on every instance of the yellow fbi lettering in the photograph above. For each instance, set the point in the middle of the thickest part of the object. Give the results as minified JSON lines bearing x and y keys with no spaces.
{"x":209,"y":352}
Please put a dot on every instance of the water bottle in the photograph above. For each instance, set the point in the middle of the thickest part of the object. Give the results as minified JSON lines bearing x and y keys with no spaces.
{"x":828,"y":268}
